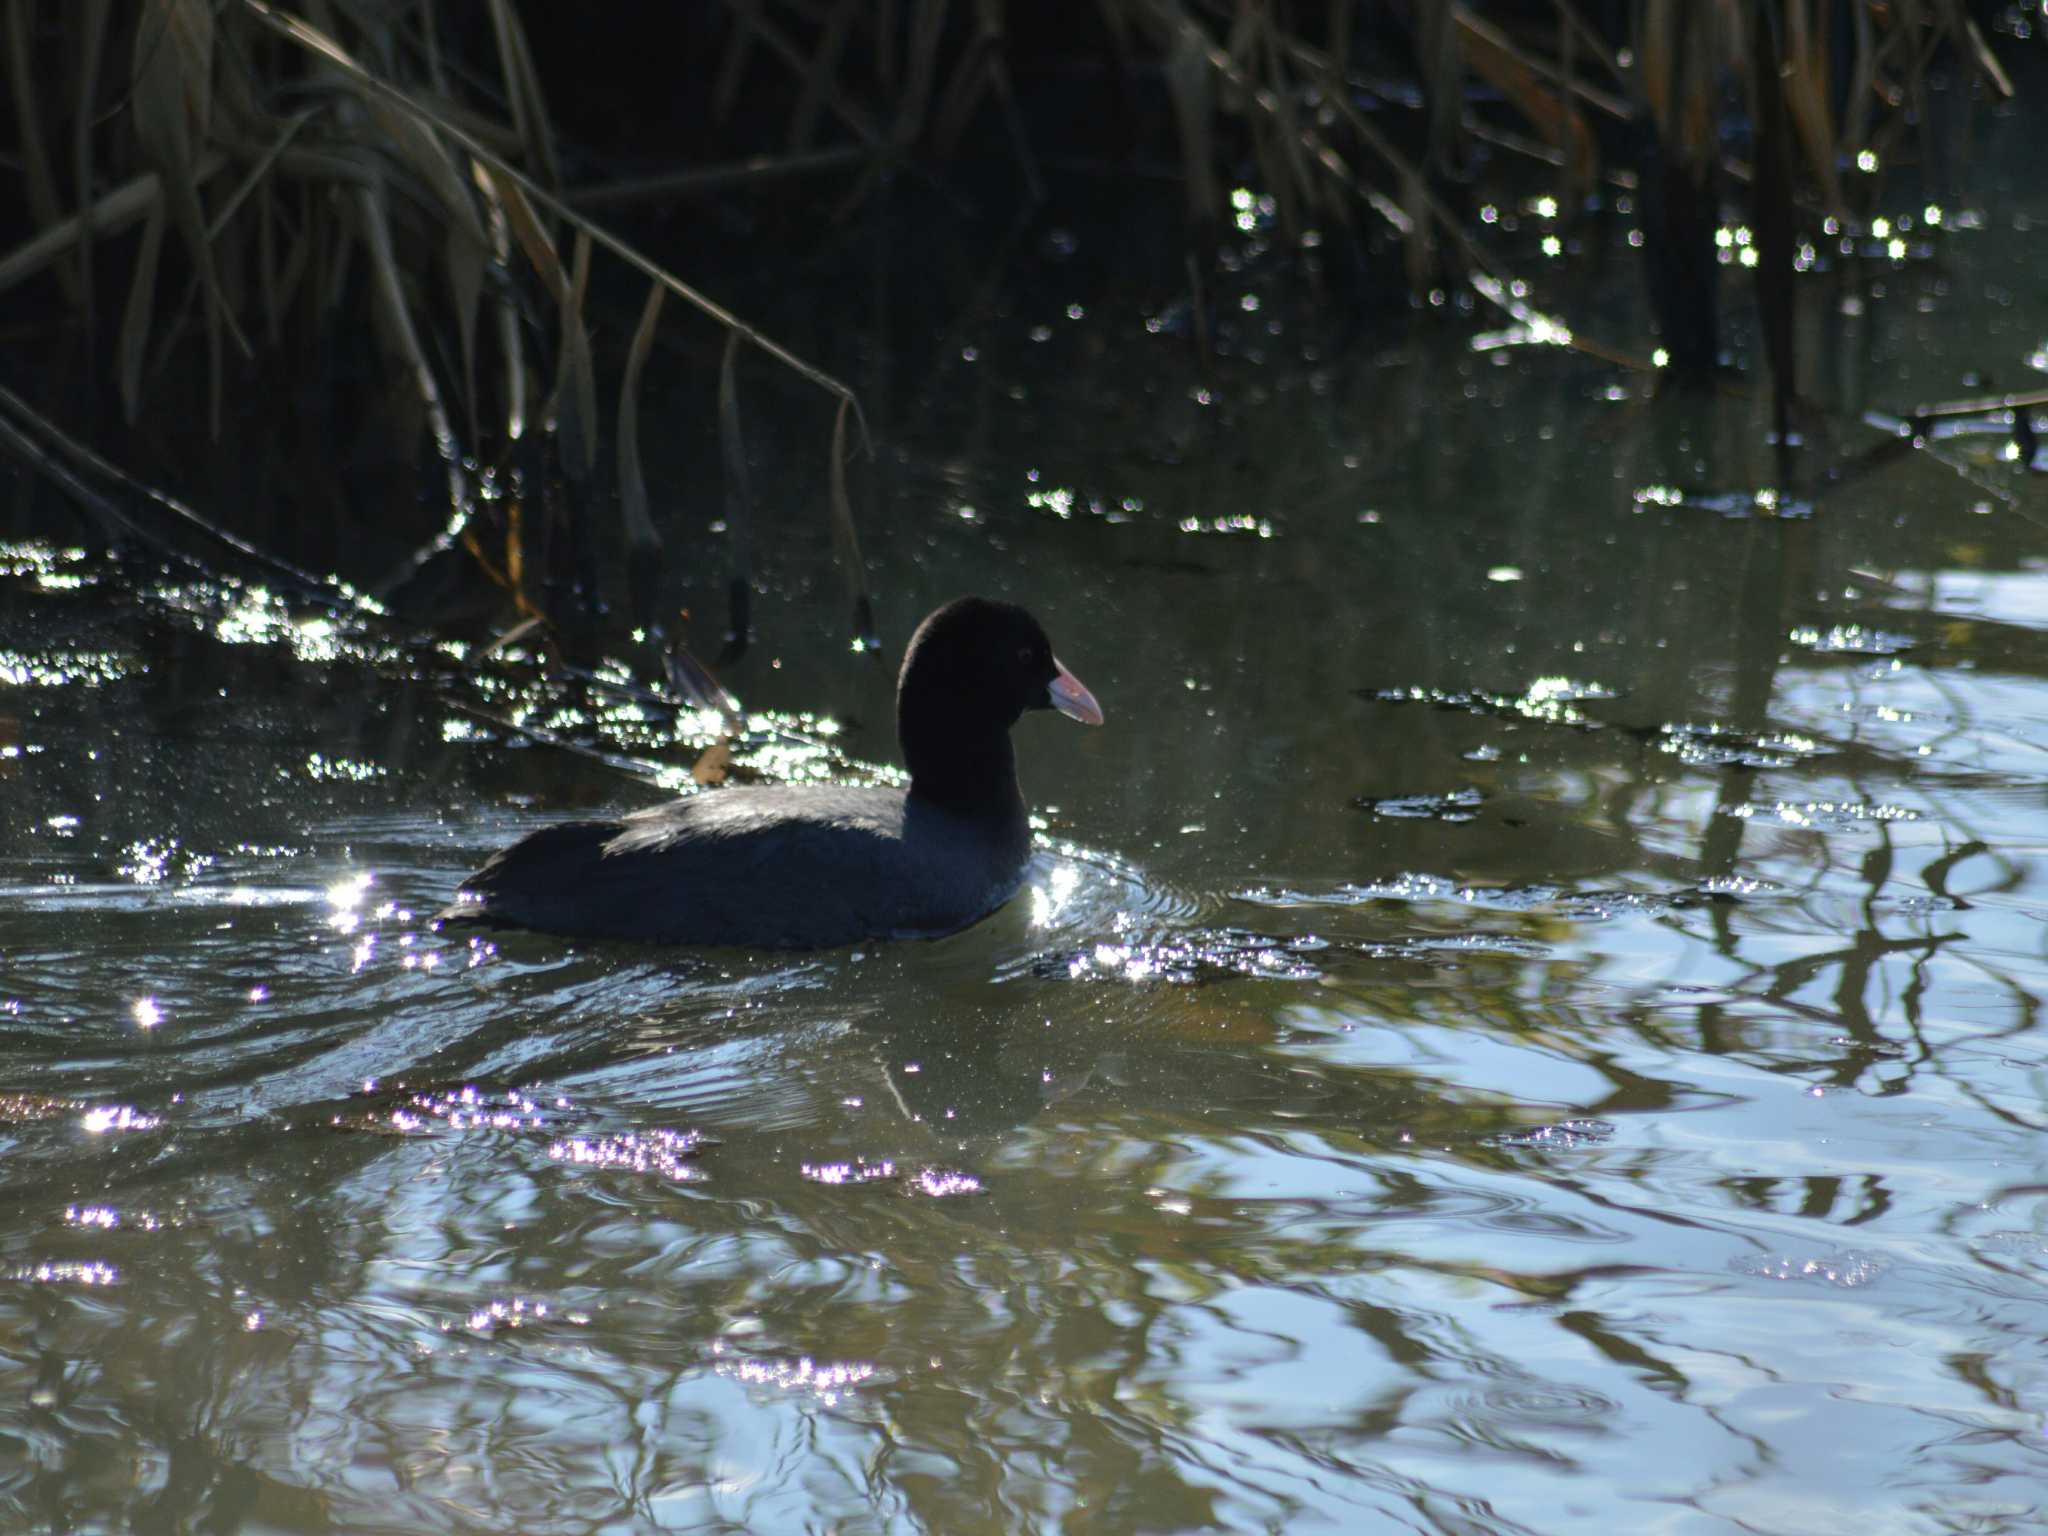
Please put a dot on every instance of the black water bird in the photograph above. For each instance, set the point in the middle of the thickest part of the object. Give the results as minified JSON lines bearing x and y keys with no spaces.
{"x":815,"y":866}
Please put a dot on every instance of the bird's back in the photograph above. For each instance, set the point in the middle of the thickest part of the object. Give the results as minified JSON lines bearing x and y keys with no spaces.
{"x":770,"y":867}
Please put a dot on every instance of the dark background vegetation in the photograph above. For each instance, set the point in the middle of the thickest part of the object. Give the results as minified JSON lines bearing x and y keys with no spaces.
{"x":371,"y":285}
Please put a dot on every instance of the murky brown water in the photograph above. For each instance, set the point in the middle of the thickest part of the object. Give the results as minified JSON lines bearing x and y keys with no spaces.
{"x":1526,"y":1020}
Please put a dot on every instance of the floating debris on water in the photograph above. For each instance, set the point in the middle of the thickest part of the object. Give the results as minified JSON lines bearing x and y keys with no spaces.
{"x":107,"y":1218}
{"x":1547,"y":701}
{"x":66,"y":669}
{"x":661,"y":1151}
{"x":1602,"y":906}
{"x":1228,"y":954}
{"x":1406,"y":887}
{"x":1767,"y":502}
{"x":825,"y":1381}
{"x":1924,"y":904}
{"x":88,"y":1272}
{"x":1452,"y":805}
{"x":1818,"y":815}
{"x":1737,"y":886}
{"x":856,"y":1171}
{"x":1847,"y":1269}
{"x":944,"y":1183}
{"x":1186,"y":959}
{"x":118,"y":1117}
{"x":937,"y":1183}
{"x":1852,"y":639}
{"x":1565,"y":1135}
{"x":428,"y":1111}
{"x":1714,"y":746}
{"x":341,"y":770}
{"x":1064,"y":503}
{"x":1238,"y":523}
{"x":1440,"y":950}
{"x":33,"y":557}
{"x":153,"y":861}
{"x":29,"y":1108}
{"x":1585,"y":906}
{"x":502,"y":1317}
{"x":1886,"y":1048}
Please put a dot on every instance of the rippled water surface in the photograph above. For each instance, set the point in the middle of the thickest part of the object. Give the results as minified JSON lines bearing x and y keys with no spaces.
{"x":1526,"y":1019}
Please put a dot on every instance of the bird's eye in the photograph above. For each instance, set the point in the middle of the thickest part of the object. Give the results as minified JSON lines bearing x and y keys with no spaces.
{"x":1024,"y":654}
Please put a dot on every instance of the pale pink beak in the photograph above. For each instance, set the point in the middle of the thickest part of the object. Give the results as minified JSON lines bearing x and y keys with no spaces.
{"x":1070,"y":696}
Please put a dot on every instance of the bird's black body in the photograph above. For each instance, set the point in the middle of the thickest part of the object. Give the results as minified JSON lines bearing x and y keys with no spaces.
{"x":819,"y":866}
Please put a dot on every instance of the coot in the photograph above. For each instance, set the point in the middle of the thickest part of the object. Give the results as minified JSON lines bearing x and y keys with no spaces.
{"x":808,"y":867}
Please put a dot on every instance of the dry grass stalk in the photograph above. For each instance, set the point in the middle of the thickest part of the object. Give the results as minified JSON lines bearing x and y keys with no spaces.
{"x":574,"y":405}
{"x":274,"y":240}
{"x":399,"y":178}
{"x":641,"y":538}
{"x":846,"y":540}
{"x":739,"y":508}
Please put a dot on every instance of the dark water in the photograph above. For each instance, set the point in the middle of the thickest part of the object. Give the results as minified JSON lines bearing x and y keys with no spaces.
{"x":1525,"y":1020}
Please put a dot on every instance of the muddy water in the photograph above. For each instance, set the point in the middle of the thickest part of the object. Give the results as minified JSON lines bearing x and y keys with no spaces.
{"x":1524,"y":1020}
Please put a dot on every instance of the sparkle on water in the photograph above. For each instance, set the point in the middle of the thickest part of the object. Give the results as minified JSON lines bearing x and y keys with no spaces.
{"x":118,"y":1117}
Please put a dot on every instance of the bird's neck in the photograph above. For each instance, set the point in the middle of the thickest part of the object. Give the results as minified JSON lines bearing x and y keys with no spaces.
{"x":973,"y":775}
